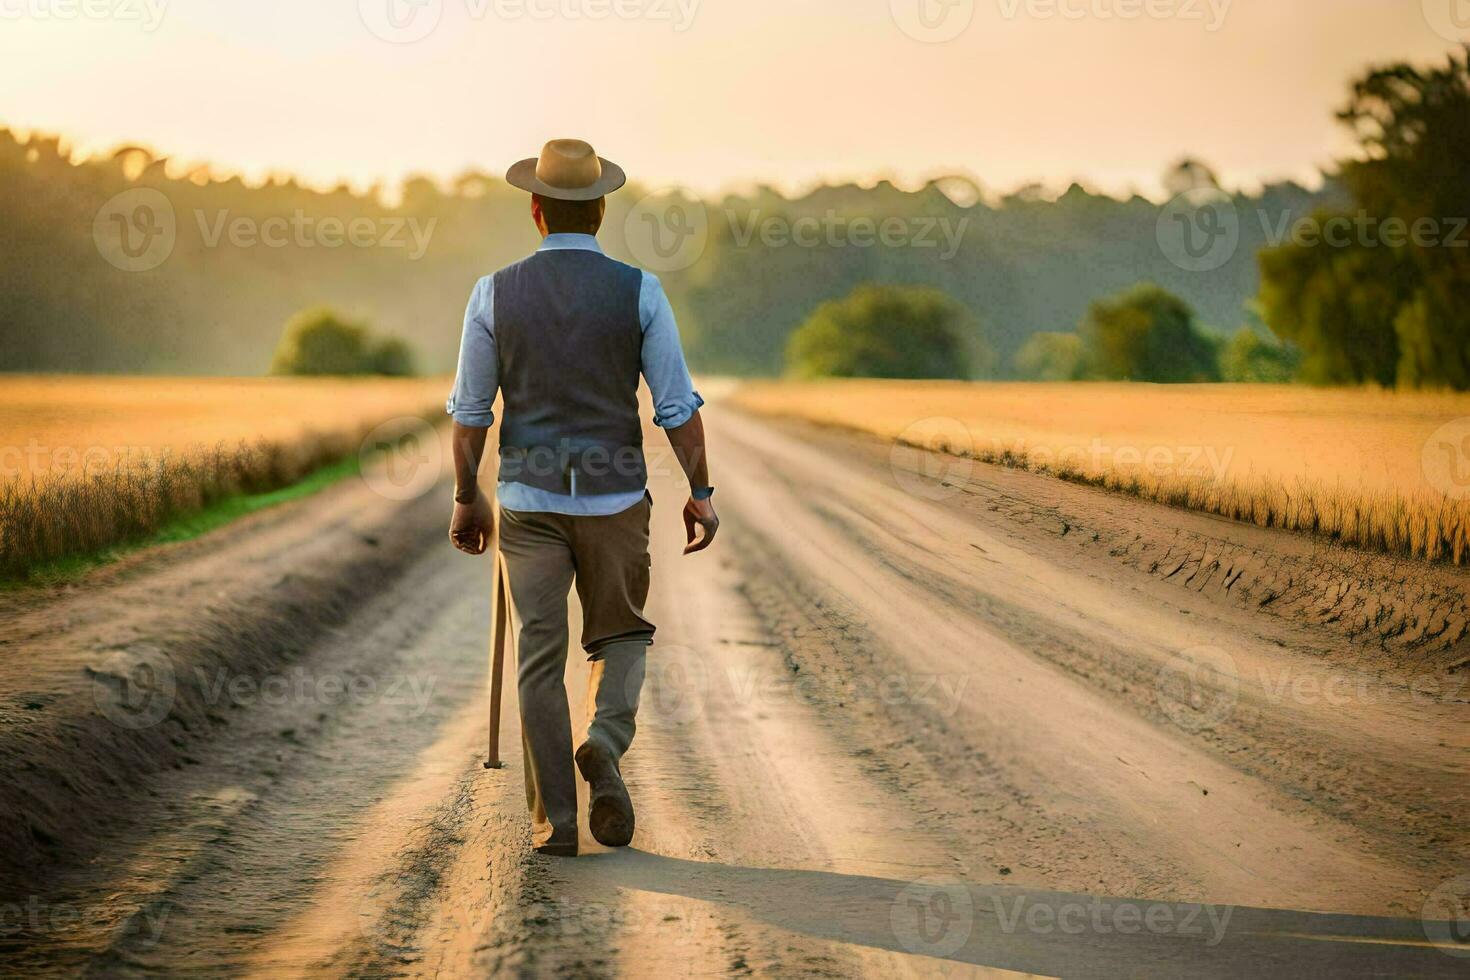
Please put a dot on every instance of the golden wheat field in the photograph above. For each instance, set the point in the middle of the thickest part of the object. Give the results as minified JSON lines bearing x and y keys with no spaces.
{"x":1379,"y":469}
{"x":51,"y":425}
{"x":89,"y":463}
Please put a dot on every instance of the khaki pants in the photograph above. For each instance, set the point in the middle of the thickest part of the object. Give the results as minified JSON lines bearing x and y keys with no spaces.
{"x":607,"y":557}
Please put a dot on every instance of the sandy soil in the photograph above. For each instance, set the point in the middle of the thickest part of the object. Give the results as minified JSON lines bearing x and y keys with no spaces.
{"x":905,"y":719}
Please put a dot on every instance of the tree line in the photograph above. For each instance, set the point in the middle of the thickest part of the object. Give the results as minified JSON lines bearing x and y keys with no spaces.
{"x":1044,"y":287}
{"x":218,"y":302}
{"x":1372,"y":290}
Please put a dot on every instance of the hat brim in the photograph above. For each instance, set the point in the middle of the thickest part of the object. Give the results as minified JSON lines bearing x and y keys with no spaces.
{"x":523,"y":175}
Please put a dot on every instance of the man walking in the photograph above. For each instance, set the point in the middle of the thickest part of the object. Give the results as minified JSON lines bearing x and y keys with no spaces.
{"x":563,"y":336}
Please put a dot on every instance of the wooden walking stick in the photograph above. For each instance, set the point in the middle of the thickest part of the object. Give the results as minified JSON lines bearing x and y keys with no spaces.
{"x":497,"y":657}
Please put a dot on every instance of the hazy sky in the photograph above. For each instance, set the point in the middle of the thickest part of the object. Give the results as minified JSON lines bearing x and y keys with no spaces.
{"x":711,"y":93}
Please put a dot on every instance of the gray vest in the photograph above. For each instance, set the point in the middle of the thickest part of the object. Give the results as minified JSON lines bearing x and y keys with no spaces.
{"x":570,"y":344}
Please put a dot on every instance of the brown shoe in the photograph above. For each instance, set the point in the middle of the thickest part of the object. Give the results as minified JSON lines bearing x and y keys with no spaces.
{"x":611,"y":812}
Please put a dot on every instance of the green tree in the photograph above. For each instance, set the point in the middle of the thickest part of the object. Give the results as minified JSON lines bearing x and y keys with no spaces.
{"x":318,"y":341}
{"x":1249,"y":358}
{"x":1386,"y":304}
{"x":1147,"y":334}
{"x":1338,"y":307}
{"x":1050,"y":357}
{"x":392,"y":357}
{"x":885,"y":332}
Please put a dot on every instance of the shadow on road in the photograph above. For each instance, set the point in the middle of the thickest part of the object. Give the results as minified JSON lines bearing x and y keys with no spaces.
{"x":1041,"y":932}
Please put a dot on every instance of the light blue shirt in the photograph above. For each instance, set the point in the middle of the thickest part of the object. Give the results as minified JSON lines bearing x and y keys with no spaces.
{"x":478,"y":380}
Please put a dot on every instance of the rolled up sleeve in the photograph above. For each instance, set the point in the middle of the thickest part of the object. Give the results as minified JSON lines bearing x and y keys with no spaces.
{"x":674,"y":399}
{"x":478,"y":378}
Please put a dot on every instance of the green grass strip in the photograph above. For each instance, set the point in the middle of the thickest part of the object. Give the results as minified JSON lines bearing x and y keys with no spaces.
{"x":187,"y":527}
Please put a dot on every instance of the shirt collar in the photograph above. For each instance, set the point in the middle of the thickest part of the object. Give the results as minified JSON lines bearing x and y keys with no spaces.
{"x":563,"y":240}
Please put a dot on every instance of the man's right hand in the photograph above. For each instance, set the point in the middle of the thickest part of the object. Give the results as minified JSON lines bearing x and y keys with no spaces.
{"x":700,"y":513}
{"x":472,"y":527}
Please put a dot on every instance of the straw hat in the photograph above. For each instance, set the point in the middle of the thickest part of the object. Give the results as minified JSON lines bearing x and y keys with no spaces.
{"x":568,"y":170}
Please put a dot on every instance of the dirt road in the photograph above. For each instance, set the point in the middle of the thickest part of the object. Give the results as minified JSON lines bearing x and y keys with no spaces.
{"x":906,"y":719}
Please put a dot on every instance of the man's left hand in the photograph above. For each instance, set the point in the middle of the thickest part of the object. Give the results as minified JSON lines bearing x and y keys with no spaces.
{"x":700,"y":513}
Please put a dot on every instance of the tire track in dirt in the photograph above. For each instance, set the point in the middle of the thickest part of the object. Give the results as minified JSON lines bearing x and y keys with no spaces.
{"x":1232,"y":843}
{"x":1310,"y":756}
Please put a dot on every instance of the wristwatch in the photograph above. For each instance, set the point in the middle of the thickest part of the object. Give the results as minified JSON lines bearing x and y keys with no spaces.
{"x":702,"y":493}
{"x":466,"y":495}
